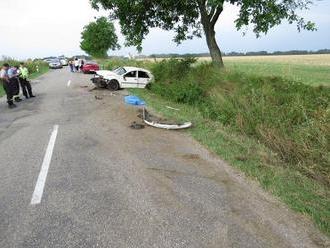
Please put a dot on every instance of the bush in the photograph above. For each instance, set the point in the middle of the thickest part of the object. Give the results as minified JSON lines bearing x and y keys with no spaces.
{"x":114,"y":63}
{"x":31,"y":65}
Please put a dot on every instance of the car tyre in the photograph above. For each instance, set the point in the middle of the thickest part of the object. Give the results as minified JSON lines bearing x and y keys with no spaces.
{"x":113,"y":85}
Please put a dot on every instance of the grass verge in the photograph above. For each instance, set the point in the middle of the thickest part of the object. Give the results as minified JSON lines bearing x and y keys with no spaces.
{"x":299,"y":192}
{"x":2,"y":92}
{"x":42,"y":70}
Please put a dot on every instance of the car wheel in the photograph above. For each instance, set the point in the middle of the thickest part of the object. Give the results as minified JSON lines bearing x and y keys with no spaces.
{"x":113,"y":85}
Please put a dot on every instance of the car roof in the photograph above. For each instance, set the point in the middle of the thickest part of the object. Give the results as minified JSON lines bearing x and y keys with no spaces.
{"x":91,"y":62}
{"x":132,"y":68}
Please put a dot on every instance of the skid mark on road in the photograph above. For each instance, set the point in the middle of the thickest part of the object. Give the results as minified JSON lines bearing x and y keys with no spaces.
{"x":39,"y":189}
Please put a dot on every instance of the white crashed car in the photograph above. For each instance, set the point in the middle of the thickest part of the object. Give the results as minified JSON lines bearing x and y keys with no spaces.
{"x":123,"y":77}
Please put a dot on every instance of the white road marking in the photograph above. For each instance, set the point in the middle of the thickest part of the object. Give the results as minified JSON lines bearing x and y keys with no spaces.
{"x":69,"y":83}
{"x":39,"y":189}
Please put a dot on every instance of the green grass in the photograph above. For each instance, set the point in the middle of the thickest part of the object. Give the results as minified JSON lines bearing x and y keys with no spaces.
{"x":2,"y":92}
{"x":301,"y":193}
{"x":42,"y":70}
{"x":314,"y":75}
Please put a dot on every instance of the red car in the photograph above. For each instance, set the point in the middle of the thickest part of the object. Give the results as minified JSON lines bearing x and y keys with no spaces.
{"x":90,"y":67}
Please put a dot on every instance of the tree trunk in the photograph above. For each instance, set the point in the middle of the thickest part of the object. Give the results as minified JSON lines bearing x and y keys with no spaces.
{"x":213,"y":47}
{"x":208,"y":21}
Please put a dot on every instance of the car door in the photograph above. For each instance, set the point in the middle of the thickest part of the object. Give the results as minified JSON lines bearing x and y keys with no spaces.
{"x":143,"y":79}
{"x":130,"y":80}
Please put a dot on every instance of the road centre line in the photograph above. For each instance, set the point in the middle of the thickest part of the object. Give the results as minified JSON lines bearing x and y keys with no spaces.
{"x":39,"y":188}
{"x":69,"y":83}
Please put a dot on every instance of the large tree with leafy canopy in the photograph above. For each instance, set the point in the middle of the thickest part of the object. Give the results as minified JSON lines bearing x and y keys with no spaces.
{"x":191,"y":18}
{"x":98,"y":37}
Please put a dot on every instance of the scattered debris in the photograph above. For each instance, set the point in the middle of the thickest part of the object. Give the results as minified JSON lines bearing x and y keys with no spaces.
{"x":98,"y":98}
{"x":136,"y":125}
{"x":169,"y":126}
{"x":172,"y":108}
{"x":147,"y":118}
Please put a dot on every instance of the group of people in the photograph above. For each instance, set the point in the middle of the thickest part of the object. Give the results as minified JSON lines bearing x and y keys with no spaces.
{"x":76,"y":65}
{"x":13,"y":78}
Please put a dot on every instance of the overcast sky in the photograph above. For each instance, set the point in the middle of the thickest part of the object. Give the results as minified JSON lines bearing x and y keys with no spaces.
{"x":40,"y":28}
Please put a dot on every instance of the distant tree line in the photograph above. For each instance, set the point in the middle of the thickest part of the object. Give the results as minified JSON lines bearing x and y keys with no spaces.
{"x":258,"y":53}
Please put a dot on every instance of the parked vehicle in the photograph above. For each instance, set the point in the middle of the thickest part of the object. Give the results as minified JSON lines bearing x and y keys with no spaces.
{"x":64,"y":61}
{"x":48,"y":60}
{"x":123,"y":77}
{"x":90,"y":67}
{"x":55,"y":64}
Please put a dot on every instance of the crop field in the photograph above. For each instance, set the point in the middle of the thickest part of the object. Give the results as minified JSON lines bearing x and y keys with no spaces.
{"x":309,"y":69}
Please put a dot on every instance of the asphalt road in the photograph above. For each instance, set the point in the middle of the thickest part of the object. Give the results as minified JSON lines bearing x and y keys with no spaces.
{"x":110,"y":186}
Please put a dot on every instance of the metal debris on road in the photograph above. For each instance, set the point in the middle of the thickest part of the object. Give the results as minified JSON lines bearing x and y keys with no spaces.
{"x":148,"y":119}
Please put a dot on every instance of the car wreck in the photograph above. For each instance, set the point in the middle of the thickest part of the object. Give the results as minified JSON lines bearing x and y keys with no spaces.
{"x":123,"y":77}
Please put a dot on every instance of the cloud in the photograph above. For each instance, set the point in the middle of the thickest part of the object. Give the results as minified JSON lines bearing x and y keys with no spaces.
{"x":39,"y":28}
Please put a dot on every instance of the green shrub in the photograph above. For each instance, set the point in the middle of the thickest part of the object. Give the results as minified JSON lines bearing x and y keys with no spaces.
{"x":114,"y":63}
{"x":172,"y":69}
{"x":31,"y":65}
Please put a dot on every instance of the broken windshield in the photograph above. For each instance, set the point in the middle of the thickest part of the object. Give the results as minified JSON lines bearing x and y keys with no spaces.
{"x":120,"y":71}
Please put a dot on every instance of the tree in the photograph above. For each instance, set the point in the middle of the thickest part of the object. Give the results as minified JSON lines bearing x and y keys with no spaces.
{"x":98,"y":37}
{"x":190,"y":18}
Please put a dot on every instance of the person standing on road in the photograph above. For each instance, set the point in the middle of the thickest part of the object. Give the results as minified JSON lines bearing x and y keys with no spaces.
{"x":76,"y":64}
{"x":4,"y":78}
{"x":71,"y":65}
{"x":14,"y":81}
{"x":82,"y":62}
{"x":24,"y":81}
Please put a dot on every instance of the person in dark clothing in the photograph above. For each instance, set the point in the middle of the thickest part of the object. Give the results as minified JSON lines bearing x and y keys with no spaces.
{"x":14,"y":82}
{"x":76,"y":64}
{"x":71,"y":66}
{"x":82,"y":64}
{"x":7,"y":86}
{"x":24,"y":81}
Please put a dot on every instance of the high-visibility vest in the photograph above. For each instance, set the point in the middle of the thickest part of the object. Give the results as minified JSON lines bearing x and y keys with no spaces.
{"x":24,"y":72}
